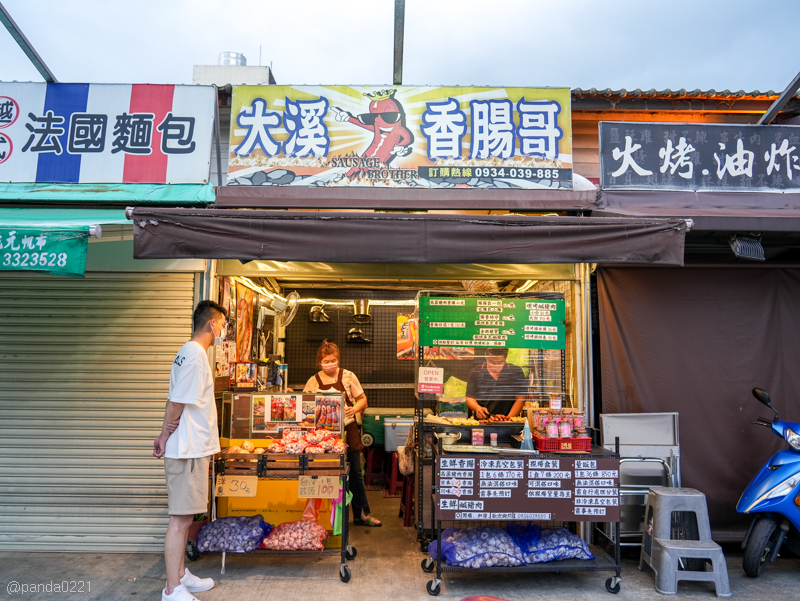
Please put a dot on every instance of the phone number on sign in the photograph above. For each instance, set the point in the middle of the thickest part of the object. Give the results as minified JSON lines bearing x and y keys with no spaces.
{"x":34,"y":259}
{"x":517,"y":172}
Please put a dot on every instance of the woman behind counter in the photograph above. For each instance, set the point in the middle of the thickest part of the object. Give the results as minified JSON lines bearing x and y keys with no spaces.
{"x":331,"y":376}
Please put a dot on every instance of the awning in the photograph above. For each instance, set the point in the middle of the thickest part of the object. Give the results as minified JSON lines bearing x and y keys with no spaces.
{"x":709,"y":211}
{"x":52,"y":241}
{"x":173,"y":194}
{"x":46,"y":217}
{"x":403,"y":238}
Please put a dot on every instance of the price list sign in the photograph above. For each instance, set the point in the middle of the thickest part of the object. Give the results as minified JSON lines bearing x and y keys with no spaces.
{"x":548,"y":487}
{"x":490,"y":322}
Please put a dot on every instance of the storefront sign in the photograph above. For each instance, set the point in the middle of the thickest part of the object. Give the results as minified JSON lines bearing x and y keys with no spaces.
{"x":58,"y":252}
{"x":488,"y":322}
{"x":97,"y":133}
{"x":547,"y":487}
{"x":431,"y":380}
{"x":680,"y":156}
{"x":417,"y":137}
{"x":236,"y":486}
{"x":318,"y":487}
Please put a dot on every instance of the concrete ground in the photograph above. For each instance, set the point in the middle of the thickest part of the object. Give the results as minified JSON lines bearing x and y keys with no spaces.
{"x":387,"y":567}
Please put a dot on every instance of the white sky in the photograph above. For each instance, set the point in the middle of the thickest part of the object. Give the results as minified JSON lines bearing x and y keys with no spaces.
{"x":733,"y":44}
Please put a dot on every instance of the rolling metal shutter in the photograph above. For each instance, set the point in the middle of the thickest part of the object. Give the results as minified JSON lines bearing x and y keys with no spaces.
{"x":84,"y":375}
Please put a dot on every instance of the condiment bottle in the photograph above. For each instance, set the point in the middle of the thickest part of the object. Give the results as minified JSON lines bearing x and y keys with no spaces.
{"x":493,"y":439}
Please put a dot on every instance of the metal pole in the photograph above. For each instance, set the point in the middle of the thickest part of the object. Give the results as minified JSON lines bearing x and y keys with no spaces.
{"x":399,"y":29}
{"x":216,"y":136}
{"x":776,"y":107}
{"x":26,"y":46}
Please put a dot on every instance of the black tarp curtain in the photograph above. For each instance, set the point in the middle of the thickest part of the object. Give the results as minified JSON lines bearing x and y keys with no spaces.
{"x":403,"y":238}
{"x":696,"y":340}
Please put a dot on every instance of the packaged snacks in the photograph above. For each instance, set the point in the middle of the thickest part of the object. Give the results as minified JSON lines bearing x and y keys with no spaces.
{"x":233,"y":534}
{"x":296,"y":536}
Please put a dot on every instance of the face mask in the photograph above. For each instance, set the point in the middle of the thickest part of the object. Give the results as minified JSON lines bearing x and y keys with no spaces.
{"x":330,"y":368}
{"x":217,"y":339}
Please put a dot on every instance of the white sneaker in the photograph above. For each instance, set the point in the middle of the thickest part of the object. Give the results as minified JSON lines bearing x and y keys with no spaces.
{"x":194,"y":584}
{"x":179,"y":593}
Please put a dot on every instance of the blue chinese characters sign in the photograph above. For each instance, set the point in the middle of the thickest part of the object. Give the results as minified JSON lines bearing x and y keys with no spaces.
{"x":680,"y":156}
{"x":90,"y":133}
{"x":431,"y":137}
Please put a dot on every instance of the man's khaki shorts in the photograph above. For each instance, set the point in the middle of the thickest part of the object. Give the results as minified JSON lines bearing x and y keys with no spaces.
{"x":187,"y":485}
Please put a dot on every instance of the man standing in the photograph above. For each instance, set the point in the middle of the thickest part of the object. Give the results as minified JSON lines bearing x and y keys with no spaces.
{"x":187,"y":452}
{"x":496,"y":387}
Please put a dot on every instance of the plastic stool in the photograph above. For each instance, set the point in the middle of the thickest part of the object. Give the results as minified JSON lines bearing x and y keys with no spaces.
{"x":666,"y":564}
{"x":395,"y":482}
{"x":407,"y":503}
{"x":374,"y":457}
{"x":661,"y":502}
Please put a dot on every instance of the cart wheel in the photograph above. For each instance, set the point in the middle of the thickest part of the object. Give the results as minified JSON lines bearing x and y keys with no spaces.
{"x":344,"y":573}
{"x":350,"y":553}
{"x":612,"y":585}
{"x":434,"y":587}
{"x":192,"y":554}
{"x":427,"y":565}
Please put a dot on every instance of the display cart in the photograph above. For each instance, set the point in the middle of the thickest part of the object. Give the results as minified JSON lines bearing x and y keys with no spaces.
{"x":575,"y":504}
{"x":269,"y":467}
{"x":425,"y":432}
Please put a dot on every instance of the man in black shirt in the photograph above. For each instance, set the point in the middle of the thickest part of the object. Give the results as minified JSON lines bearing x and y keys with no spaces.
{"x":496,"y":387}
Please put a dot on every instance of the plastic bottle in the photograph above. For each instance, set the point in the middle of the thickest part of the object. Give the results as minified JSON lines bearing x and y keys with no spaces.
{"x":527,"y":439}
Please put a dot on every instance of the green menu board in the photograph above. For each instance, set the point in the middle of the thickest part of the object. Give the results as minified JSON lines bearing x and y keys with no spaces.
{"x":491,"y":322}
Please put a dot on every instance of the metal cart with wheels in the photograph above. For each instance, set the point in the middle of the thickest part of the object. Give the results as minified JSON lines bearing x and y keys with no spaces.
{"x":574,"y":469}
{"x":290,"y":467}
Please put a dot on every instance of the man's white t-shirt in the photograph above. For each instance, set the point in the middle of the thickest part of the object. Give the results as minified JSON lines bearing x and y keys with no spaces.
{"x":191,"y":383}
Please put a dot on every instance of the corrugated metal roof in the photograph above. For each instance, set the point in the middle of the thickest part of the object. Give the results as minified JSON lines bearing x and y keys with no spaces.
{"x":682,"y":93}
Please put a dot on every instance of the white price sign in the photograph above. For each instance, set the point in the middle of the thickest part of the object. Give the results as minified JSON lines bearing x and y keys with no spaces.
{"x":431,"y":380}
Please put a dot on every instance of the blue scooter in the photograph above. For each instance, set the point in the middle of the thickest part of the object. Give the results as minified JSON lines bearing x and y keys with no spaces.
{"x":773,"y":498}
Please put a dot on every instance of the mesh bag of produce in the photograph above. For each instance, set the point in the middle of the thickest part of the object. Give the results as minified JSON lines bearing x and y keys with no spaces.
{"x":479,"y":547}
{"x":237,"y":534}
{"x":539,"y":546}
{"x":296,"y":536}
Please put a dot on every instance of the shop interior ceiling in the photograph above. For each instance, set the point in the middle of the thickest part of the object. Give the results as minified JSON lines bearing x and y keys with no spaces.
{"x":397,"y":276}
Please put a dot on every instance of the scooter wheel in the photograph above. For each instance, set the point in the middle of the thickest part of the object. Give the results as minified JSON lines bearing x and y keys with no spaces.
{"x":760,"y":546}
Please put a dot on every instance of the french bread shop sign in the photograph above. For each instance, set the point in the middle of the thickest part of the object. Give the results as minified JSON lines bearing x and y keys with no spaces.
{"x":94,"y":133}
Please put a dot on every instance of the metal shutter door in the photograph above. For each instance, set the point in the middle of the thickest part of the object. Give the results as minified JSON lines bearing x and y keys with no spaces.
{"x":84,"y":375}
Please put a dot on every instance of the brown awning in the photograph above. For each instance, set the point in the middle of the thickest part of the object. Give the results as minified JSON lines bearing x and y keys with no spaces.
{"x":709,"y":211}
{"x":409,"y":199}
{"x":403,"y":238}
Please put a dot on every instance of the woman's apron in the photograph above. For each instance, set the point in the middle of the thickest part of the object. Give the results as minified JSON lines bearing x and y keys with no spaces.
{"x":351,"y":431}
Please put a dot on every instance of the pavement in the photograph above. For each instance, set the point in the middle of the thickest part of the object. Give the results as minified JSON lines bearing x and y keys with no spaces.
{"x":387,"y":567}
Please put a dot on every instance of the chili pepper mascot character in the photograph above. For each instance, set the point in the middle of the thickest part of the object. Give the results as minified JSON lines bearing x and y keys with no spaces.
{"x":386,"y":119}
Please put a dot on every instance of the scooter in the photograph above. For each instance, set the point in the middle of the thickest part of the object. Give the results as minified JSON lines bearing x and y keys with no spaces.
{"x":773,"y":498}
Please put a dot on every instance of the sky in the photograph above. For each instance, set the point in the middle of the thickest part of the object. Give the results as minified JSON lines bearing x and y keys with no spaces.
{"x":691,"y":44}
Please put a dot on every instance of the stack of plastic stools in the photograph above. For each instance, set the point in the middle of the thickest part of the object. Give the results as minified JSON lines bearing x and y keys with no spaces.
{"x":395,"y":479}
{"x":664,"y":555}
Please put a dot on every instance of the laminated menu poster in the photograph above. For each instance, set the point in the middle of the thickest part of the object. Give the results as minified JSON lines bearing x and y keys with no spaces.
{"x":329,"y":413}
{"x":521,"y":323}
{"x":545,"y":487}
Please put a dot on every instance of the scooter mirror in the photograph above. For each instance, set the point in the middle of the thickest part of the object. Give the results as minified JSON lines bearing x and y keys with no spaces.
{"x":763,"y":397}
